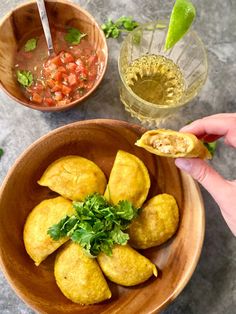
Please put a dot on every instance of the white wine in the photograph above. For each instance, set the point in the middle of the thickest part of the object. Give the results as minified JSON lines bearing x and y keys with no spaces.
{"x":156,"y":79}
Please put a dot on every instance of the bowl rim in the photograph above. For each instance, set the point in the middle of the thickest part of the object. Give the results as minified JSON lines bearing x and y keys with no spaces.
{"x":189,"y":272}
{"x":97,"y":82}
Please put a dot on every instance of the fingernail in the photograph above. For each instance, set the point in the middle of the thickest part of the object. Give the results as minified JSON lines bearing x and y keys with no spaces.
{"x":183,"y":164}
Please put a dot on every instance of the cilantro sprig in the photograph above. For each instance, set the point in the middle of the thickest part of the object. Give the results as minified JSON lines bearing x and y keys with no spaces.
{"x":74,"y":36}
{"x":1,"y":152}
{"x":211,"y":146}
{"x":30,"y":45}
{"x":25,"y":78}
{"x":122,"y":24}
{"x":96,"y":225}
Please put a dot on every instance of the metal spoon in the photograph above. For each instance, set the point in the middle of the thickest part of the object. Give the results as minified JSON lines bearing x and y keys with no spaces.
{"x":45,"y":24}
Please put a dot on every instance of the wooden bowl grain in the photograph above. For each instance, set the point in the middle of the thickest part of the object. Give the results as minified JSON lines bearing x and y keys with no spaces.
{"x":97,"y":140}
{"x":20,"y":22}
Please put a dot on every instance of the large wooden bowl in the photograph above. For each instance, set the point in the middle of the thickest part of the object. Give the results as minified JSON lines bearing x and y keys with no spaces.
{"x":22,"y":20}
{"x":97,"y":140}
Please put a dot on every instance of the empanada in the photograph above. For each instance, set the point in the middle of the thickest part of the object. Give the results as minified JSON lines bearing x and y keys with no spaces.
{"x":126,"y":266}
{"x":38,"y":243}
{"x":156,"y":223}
{"x":174,"y":144}
{"x":74,"y":177}
{"x":79,"y":277}
{"x":129,"y":180}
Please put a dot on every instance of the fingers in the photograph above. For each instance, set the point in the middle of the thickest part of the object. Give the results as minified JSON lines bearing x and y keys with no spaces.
{"x":223,"y":191}
{"x":213,"y":127}
{"x":204,"y":174}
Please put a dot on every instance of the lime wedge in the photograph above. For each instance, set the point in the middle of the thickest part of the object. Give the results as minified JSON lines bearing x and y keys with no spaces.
{"x":182,"y":16}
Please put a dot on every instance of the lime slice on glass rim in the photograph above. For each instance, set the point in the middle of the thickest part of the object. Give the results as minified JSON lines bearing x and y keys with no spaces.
{"x":182,"y":16}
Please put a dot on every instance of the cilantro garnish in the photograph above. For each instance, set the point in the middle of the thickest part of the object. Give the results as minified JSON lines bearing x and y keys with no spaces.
{"x":123,"y":24}
{"x":1,"y":152}
{"x":25,"y":78}
{"x":30,"y":44}
{"x":96,"y":225}
{"x":74,"y":36}
{"x":211,"y":147}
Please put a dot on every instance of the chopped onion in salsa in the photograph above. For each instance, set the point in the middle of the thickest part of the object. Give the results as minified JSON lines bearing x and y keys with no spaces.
{"x":60,"y":79}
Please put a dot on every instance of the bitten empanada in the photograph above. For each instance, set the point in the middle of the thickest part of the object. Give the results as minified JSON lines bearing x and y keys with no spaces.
{"x":74,"y":177}
{"x":79,"y":277}
{"x":126,"y":266}
{"x":174,"y":144}
{"x":38,"y":243}
{"x":129,"y":180}
{"x":156,"y":223}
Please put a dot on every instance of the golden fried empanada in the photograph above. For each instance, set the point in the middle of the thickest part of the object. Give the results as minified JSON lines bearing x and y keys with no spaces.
{"x":79,"y":277}
{"x":174,"y":144}
{"x":126,"y":266}
{"x":74,"y":177}
{"x":129,"y":180}
{"x":156,"y":223}
{"x":37,"y":242}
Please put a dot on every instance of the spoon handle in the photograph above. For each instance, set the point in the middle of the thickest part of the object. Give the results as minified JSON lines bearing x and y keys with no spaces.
{"x":45,"y":24}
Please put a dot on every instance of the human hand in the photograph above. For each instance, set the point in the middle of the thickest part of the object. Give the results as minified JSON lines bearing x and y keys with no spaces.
{"x":223,"y":191}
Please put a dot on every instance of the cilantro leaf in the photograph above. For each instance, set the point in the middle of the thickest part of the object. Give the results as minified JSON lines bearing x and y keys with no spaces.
{"x":74,"y":36}
{"x":1,"y":152}
{"x":96,"y":225}
{"x":25,"y":78}
{"x":211,"y":146}
{"x":58,"y":231}
{"x":122,"y":24}
{"x":127,"y":22}
{"x":31,"y":44}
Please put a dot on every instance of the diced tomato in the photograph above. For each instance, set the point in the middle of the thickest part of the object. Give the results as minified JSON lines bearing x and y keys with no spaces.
{"x":83,"y":76}
{"x":92,"y":60}
{"x":65,"y":90}
{"x":49,"y":101}
{"x":38,"y":88}
{"x":51,"y":67}
{"x":61,"y":69}
{"x":57,"y":87}
{"x":56,"y":60}
{"x":50,"y":83}
{"x":89,"y":85}
{"x":63,"y":102}
{"x":80,"y":65}
{"x":71,"y":66}
{"x":72,"y":79}
{"x":37,"y":98}
{"x":57,"y":76}
{"x":58,"y":96}
{"x":66,"y":57}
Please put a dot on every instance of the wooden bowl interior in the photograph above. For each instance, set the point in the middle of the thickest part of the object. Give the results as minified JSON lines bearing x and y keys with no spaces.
{"x":24,"y":21}
{"x":97,"y":140}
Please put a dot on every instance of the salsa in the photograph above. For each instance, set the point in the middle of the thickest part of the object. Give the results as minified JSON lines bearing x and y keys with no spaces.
{"x":59,"y":79}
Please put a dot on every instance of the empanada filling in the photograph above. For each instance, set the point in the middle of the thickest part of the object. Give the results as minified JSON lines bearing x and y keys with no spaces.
{"x":169,"y":144}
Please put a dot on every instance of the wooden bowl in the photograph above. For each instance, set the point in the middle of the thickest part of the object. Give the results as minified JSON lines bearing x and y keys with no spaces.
{"x":22,"y":19}
{"x":97,"y":140}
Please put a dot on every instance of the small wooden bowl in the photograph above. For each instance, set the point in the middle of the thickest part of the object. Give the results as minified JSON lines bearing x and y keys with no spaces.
{"x":22,"y":20}
{"x":97,"y":140}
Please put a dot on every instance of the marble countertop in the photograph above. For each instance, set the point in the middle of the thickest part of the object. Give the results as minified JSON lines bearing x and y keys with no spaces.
{"x":212,"y":288}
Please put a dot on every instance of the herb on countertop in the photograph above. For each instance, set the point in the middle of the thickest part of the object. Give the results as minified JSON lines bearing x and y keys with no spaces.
{"x":96,"y":225}
{"x":1,"y":152}
{"x":31,"y":44}
{"x":25,"y":78}
{"x":211,"y":146}
{"x":74,"y":36}
{"x":123,"y":24}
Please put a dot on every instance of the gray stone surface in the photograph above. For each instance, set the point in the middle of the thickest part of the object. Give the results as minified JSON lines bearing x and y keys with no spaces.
{"x":212,"y":288}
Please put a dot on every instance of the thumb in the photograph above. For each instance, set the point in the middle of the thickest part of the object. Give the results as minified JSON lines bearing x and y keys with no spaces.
{"x":204,"y":174}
